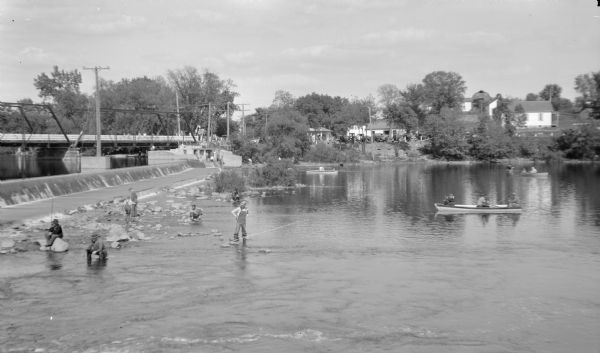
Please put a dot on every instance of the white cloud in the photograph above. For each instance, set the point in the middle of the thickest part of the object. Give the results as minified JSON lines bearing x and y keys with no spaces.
{"x":393,"y":36}
{"x":209,"y":15}
{"x":34,"y":53}
{"x":239,"y":57}
{"x":113,"y":24}
{"x":314,"y":51}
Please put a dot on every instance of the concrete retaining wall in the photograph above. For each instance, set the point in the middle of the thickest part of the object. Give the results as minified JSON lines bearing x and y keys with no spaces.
{"x":89,"y":164}
{"x":17,"y":191}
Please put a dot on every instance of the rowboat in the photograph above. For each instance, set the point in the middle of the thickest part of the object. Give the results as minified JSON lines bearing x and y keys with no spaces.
{"x":474,"y":209}
{"x":537,"y":174}
{"x":322,"y":170}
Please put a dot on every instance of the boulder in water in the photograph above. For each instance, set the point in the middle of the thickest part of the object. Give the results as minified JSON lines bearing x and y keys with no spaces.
{"x":7,"y":244}
{"x":59,"y":245}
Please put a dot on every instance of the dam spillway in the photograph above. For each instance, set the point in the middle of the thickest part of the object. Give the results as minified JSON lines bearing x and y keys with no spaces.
{"x":14,"y":192}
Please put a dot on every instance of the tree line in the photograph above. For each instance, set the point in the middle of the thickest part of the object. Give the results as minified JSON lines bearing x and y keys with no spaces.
{"x":431,"y":108}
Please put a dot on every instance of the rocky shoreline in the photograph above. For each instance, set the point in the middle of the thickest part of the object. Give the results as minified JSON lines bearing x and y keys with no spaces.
{"x":109,"y":220}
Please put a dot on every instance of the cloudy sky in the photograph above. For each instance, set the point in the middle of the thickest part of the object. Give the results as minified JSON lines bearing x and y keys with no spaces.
{"x":336,"y":47}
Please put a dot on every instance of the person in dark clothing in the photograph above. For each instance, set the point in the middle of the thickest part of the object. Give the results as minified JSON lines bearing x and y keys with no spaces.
{"x":97,"y":247}
{"x":55,"y":231}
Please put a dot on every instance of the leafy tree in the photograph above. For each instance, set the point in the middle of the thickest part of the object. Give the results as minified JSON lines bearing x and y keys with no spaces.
{"x":388,"y":94}
{"x":196,"y":90}
{"x":283,"y":99}
{"x":401,"y":115}
{"x":413,"y":96}
{"x":508,"y":118}
{"x":551,"y":92}
{"x":62,"y":88}
{"x":490,"y":141}
{"x":447,"y":135}
{"x":143,"y":94}
{"x":582,"y":143}
{"x":588,"y":86}
{"x":320,"y":109}
{"x":355,"y":112}
{"x":531,"y":97}
{"x":443,"y":89}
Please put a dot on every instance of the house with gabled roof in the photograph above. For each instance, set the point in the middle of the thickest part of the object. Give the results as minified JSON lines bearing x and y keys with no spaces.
{"x":538,"y":113}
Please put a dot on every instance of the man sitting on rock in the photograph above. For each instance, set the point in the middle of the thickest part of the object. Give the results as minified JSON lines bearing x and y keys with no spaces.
{"x":55,"y":231}
{"x":195,"y":214}
{"x":97,"y":247}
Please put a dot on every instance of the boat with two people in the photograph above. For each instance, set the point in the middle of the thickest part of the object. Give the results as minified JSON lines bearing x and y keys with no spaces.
{"x":322,"y":170}
{"x":533,"y":172}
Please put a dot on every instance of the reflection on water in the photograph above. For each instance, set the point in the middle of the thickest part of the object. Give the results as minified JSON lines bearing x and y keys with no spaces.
{"x":357,"y":262}
{"x":54,"y":260}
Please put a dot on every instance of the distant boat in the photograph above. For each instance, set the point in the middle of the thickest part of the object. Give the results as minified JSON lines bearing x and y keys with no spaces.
{"x":322,"y":170}
{"x":535,"y":174}
{"x":474,"y":209}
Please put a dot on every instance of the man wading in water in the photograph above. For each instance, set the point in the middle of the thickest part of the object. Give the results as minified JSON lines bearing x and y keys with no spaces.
{"x":240,"y":214}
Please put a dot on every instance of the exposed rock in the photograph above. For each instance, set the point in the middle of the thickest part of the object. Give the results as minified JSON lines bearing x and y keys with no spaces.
{"x":7,"y":244}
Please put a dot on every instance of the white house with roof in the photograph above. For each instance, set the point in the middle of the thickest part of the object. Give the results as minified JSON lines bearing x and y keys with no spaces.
{"x":378,"y":127}
{"x":320,"y":134}
{"x":538,"y":113}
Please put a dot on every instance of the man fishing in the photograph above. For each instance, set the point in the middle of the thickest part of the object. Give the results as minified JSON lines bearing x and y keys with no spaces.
{"x":195,"y":214}
{"x":55,"y":231}
{"x":97,"y":247}
{"x":240,"y":214}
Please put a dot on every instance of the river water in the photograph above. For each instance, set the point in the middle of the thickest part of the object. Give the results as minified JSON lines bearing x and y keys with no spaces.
{"x":357,"y":262}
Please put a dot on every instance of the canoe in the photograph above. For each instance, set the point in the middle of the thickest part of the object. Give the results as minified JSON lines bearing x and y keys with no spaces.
{"x":322,"y":171}
{"x":538,"y":174}
{"x":474,"y":209}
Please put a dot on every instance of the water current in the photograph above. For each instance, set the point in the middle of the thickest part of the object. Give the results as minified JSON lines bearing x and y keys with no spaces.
{"x":354,"y":262}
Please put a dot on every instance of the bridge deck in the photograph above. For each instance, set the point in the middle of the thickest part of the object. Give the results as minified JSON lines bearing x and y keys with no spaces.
{"x":17,"y":139}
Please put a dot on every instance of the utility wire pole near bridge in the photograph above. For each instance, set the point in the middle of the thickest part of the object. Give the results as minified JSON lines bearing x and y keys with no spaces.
{"x":98,"y":125}
{"x":243,"y":117}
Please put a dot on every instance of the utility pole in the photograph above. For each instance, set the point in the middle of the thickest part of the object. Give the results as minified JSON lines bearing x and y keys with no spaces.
{"x":243,"y":117}
{"x":227,"y":121}
{"x":370,"y":124}
{"x":266,"y":120}
{"x":98,"y":124}
{"x":208,"y":132}
{"x":178,"y":118}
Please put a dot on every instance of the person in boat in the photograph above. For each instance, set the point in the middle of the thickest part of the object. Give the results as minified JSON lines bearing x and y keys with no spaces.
{"x":97,"y":247}
{"x":513,"y":200}
{"x":240,"y":214}
{"x":55,"y":231}
{"x":195,"y":213}
{"x":532,"y":170}
{"x":510,"y":168}
{"x":483,"y":202}
{"x":449,"y":200}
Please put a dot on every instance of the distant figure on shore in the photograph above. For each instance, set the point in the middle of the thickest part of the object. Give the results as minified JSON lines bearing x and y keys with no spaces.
{"x":55,"y":231}
{"x":235,"y":196}
{"x":97,"y":247}
{"x":195,"y":214}
{"x":133,"y":200}
{"x":449,"y":200}
{"x":483,"y":202}
{"x":240,"y":214}
{"x":513,"y":200}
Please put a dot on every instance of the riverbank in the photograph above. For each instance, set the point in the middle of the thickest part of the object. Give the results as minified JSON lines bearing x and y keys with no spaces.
{"x":101,"y":211}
